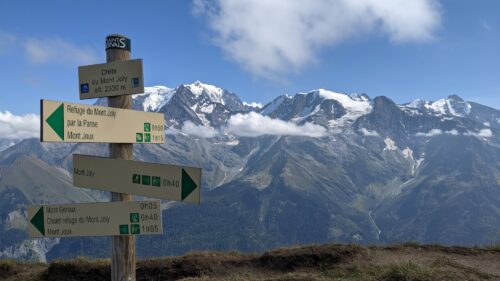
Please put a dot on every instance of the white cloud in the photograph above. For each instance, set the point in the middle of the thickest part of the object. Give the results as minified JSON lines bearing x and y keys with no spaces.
{"x":57,"y":50}
{"x":253,"y":124}
{"x":19,"y":127}
{"x":6,"y":40}
{"x":270,"y":37}
{"x":431,"y":133}
{"x":483,"y":133}
{"x":453,"y":132}
{"x":198,"y":130}
{"x":253,"y":104}
{"x":369,"y":133}
{"x":49,"y":50}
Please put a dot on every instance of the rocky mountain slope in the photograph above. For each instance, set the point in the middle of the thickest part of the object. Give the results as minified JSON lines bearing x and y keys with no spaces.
{"x":365,"y":171}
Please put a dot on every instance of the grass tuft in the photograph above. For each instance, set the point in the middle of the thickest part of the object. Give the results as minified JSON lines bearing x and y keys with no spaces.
{"x":407,"y":272}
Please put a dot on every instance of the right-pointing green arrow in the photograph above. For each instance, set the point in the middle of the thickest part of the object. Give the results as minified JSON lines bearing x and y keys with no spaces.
{"x":56,"y":121}
{"x":188,"y":185}
{"x":38,"y":221}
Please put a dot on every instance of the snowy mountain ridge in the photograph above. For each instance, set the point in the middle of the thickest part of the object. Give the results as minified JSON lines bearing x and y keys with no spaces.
{"x":154,"y":97}
{"x":453,"y":105}
{"x":211,"y":106}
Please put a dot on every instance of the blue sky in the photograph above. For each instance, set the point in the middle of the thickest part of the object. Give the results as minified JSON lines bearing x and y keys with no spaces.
{"x":257,"y":50}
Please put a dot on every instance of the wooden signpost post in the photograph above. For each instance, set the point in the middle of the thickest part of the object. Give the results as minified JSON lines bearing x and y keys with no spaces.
{"x":121,"y":127}
{"x":123,"y":247}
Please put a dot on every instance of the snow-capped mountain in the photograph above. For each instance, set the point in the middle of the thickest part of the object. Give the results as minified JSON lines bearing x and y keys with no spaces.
{"x":212,"y":107}
{"x":6,"y":143}
{"x":422,"y":171}
{"x":456,"y":107}
{"x":199,"y":103}
{"x":322,"y":107}
{"x":153,"y":99}
{"x":453,"y":105}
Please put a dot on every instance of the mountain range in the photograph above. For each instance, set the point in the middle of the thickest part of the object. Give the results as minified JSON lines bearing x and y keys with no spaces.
{"x":314,"y":167}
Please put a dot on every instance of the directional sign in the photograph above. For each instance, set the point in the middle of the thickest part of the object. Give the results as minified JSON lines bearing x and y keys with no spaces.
{"x":138,"y":178}
{"x":71,"y":122}
{"x":95,"y":219}
{"x":111,"y":79}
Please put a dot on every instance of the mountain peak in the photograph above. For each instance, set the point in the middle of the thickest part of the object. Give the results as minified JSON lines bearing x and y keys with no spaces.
{"x":416,"y":103}
{"x":353,"y":102}
{"x":212,"y":92}
{"x":455,"y":98}
{"x":453,"y":105}
{"x":153,"y":97}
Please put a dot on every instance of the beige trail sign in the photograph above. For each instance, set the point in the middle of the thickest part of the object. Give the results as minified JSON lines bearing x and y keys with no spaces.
{"x":72,"y":122}
{"x":95,"y":219}
{"x":111,"y":79}
{"x":138,"y":178}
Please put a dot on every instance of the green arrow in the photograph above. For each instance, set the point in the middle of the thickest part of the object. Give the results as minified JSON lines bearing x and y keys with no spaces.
{"x":38,"y":221}
{"x":56,"y":121}
{"x":188,"y":185}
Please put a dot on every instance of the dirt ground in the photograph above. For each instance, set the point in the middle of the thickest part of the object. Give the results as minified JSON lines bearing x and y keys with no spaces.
{"x":406,"y":262}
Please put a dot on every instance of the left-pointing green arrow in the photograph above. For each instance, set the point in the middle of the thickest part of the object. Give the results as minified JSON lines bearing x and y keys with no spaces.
{"x":38,"y":221}
{"x":56,"y":121}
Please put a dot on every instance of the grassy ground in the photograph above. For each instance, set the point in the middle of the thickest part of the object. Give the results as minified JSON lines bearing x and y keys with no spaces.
{"x":405,"y":262}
